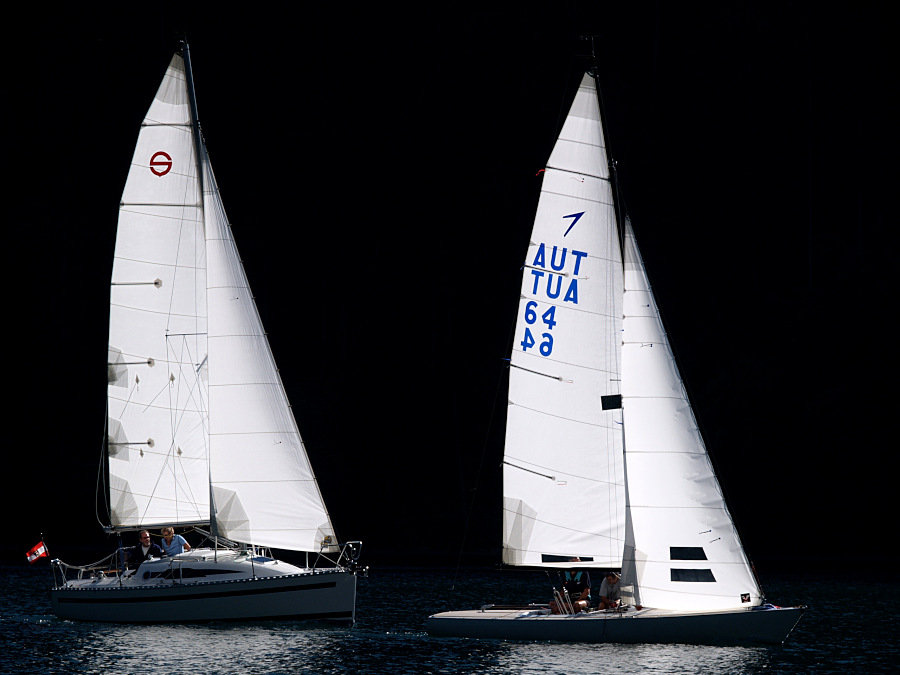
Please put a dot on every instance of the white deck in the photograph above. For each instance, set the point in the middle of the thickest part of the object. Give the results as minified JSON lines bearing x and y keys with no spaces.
{"x":207,"y":586}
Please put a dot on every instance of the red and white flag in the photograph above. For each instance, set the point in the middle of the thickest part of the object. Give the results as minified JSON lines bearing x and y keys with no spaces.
{"x":39,"y":551}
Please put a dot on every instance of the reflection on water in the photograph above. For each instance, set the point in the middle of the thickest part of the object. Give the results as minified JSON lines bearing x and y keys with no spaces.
{"x":390,"y":637}
{"x":262,"y":648}
{"x":535,"y":658}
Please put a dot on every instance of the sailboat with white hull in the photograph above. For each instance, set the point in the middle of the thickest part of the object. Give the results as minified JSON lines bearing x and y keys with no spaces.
{"x":200,"y":432}
{"x":603,"y":459}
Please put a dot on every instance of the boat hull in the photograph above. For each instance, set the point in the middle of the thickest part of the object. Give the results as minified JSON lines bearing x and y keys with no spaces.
{"x":770,"y":625}
{"x":327,"y":594}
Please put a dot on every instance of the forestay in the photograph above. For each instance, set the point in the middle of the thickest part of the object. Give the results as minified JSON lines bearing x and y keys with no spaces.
{"x":563,"y":481}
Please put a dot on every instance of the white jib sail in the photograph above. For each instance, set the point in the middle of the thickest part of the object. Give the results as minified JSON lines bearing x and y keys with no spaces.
{"x":563,"y":483}
{"x":157,"y":398}
{"x":264,"y":490}
{"x":687,"y":554}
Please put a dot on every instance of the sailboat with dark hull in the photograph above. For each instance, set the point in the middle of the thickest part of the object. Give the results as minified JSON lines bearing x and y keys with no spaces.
{"x":603,"y":459}
{"x":200,"y":432}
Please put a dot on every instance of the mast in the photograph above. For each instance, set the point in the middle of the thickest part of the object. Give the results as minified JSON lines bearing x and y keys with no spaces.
{"x":198,"y":147}
{"x":613,"y":175}
{"x":195,"y":118}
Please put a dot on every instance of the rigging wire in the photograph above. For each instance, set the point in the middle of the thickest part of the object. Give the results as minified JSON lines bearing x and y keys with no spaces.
{"x":483,"y":453}
{"x":101,"y":474}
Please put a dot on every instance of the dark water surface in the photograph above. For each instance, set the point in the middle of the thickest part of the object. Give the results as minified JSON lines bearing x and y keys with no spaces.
{"x":850,"y":626}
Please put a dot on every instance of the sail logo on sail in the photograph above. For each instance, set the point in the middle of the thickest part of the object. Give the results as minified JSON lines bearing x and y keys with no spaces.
{"x":576,"y":216}
{"x":156,"y":162}
{"x":550,"y":284}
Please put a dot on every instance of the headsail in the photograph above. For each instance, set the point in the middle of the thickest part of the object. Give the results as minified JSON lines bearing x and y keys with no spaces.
{"x":264,"y":489}
{"x":563,"y":484}
{"x":684,"y":552}
{"x":157,"y":397}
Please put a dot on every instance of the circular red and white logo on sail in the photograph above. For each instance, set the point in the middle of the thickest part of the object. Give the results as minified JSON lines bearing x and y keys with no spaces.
{"x":160,"y":166}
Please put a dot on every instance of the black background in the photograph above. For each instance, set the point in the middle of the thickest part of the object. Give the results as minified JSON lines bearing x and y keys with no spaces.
{"x":379,"y":170}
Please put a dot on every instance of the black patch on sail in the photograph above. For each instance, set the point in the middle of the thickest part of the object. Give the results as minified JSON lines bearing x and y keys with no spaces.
{"x":686,"y":553}
{"x":693,"y":575}
{"x":612,"y":402}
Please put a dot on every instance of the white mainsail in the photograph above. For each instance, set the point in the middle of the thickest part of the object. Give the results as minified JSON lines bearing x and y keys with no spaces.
{"x":684,"y":551}
{"x":157,"y":398}
{"x":190,"y":364}
{"x":563,"y":480}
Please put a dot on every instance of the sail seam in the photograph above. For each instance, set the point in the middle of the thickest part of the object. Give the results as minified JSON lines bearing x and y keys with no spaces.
{"x":153,"y":311}
{"x":692,"y":563}
{"x":254,"y":433}
{"x":720,"y":509}
{"x":158,"y":264}
{"x":229,"y":286}
{"x":159,"y":360}
{"x":575,"y":141}
{"x":132,"y":445}
{"x":558,"y":472}
{"x":545,"y":359}
{"x":156,"y":407}
{"x":152,"y":120}
{"x":579,"y":198}
{"x":162,"y":498}
{"x":147,"y":214}
{"x":652,"y":397}
{"x":170,"y":204}
{"x":532,"y":296}
{"x":556,"y":525}
{"x":560,"y":417}
{"x":151,"y":523}
{"x":698,"y":453}
{"x":243,"y":482}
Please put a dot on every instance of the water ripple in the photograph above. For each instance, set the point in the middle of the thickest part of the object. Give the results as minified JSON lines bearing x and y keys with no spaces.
{"x":838,"y":634}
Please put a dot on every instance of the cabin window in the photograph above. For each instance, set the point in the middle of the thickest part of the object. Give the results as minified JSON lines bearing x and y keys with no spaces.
{"x":196,"y":573}
{"x":693,"y":575}
{"x":187,"y":573}
{"x":686,"y":553}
